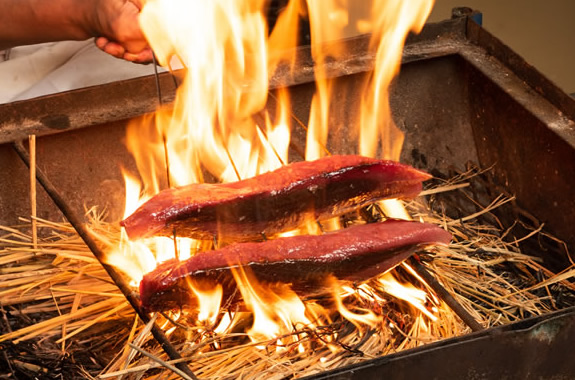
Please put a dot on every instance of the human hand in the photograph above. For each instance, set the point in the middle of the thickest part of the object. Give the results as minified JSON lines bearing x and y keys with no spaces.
{"x":119,"y":29}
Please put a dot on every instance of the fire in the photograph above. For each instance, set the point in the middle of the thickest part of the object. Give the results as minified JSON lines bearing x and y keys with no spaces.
{"x":391,"y":23}
{"x":218,"y":127}
{"x":276,"y":310}
{"x":406,"y":292}
{"x":366,"y":318}
{"x":209,"y":301}
{"x":222,"y":45}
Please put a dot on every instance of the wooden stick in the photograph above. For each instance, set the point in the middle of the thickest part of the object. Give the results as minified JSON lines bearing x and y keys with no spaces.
{"x":445,"y":295}
{"x":172,"y":368}
{"x":33,"y":214}
{"x":116,"y":276}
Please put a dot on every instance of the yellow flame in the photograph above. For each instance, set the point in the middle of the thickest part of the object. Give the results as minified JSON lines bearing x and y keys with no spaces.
{"x":393,"y":208}
{"x":218,"y":126}
{"x":407,"y":292}
{"x":223,"y":46}
{"x":390,"y":23}
{"x":328,"y":19}
{"x":367,"y":318}
{"x":225,"y":324}
{"x":133,"y":188}
{"x":284,"y":36}
{"x":276,"y":311}
{"x":209,"y":302}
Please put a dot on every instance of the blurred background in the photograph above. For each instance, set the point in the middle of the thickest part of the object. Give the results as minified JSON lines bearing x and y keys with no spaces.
{"x":542,"y":32}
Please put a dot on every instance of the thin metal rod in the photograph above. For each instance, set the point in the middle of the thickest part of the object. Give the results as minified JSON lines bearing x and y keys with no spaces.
{"x":445,"y":295}
{"x":157,"y":77}
{"x":161,"y":102}
{"x":84,"y":233}
{"x":165,"y":142}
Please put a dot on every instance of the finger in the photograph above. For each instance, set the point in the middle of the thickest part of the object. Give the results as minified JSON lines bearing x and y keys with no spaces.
{"x":114,"y":49}
{"x":135,"y":46}
{"x":101,"y":42}
{"x":119,"y":51}
{"x":110,"y":47}
{"x":145,"y":56}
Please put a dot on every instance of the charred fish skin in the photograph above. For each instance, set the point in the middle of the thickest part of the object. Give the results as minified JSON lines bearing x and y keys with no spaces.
{"x":276,"y":201}
{"x":356,"y":253}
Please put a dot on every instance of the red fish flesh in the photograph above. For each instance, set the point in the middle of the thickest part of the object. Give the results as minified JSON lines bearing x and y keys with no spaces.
{"x":276,"y":201}
{"x":356,"y":253}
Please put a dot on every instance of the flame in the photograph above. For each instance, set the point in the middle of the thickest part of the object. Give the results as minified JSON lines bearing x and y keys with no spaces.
{"x":218,"y":129}
{"x":284,"y":36}
{"x":211,"y":126}
{"x":209,"y":302}
{"x":225,"y":324}
{"x":366,"y":318}
{"x":390,"y":24}
{"x":277,"y":311}
{"x":407,"y":292}
{"x":394,"y":208}
{"x":328,"y":19}
{"x":389,"y":21}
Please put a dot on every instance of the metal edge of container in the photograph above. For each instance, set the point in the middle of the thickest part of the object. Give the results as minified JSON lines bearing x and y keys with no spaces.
{"x":130,"y":98}
{"x":533,"y":348}
{"x":134,"y":97}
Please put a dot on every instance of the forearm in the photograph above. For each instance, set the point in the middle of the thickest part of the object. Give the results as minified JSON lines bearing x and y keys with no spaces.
{"x":24,"y":22}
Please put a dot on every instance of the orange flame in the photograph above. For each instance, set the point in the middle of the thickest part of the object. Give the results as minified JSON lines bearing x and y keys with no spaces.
{"x":390,"y":24}
{"x":218,"y":127}
{"x":276,"y":310}
{"x":407,"y":292}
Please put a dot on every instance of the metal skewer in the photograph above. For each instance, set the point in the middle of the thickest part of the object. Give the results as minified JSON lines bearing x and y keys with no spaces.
{"x":165,"y":143}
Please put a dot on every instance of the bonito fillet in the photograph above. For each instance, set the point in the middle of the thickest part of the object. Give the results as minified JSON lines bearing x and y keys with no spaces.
{"x":276,"y":201}
{"x":356,"y":253}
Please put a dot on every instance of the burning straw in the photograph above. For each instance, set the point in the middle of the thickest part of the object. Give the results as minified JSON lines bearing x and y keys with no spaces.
{"x":58,"y":300}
